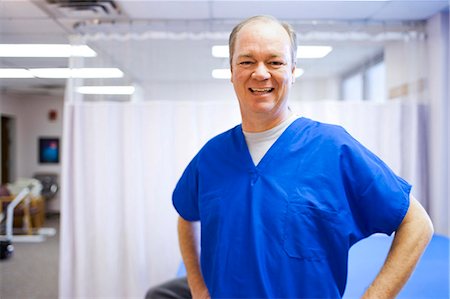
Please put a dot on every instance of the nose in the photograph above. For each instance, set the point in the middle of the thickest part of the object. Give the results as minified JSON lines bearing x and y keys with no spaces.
{"x":261,"y":72}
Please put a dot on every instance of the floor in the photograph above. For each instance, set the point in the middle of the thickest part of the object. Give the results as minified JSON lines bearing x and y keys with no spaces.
{"x":32,"y":271}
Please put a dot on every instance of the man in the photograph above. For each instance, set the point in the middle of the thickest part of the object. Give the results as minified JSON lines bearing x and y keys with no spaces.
{"x":281,"y":199}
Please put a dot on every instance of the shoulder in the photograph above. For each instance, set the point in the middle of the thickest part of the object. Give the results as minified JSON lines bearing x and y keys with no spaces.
{"x":322,"y":133}
{"x":334,"y":142}
{"x":221,"y":141}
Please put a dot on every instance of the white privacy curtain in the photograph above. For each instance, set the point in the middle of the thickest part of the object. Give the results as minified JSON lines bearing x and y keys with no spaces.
{"x":122,"y":161}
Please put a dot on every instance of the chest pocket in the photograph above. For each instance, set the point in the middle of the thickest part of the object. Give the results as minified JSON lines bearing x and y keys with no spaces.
{"x":309,"y":232}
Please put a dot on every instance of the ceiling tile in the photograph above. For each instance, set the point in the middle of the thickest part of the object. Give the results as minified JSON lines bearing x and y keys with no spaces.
{"x":165,"y":9}
{"x":19,"y":9}
{"x":29,"y":26}
{"x":295,"y":10}
{"x":410,"y":10}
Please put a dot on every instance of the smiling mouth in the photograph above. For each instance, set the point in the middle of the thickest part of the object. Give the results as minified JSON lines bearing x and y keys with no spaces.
{"x":261,"y":90}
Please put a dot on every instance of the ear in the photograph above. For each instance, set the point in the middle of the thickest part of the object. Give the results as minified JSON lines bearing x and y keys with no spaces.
{"x":231,"y":70}
{"x":293,"y":73}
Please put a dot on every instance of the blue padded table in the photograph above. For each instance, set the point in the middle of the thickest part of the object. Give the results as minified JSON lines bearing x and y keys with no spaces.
{"x":429,"y":280}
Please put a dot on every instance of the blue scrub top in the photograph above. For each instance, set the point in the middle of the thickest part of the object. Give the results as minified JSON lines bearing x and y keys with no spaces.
{"x":283,"y":228}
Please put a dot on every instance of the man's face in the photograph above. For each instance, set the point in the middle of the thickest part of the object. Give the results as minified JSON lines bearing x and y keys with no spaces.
{"x":262,"y":70}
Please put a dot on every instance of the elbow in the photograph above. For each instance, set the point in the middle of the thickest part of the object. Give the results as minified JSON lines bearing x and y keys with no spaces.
{"x":425,"y":228}
{"x":430,"y":227}
{"x":420,"y":219}
{"x":426,"y":224}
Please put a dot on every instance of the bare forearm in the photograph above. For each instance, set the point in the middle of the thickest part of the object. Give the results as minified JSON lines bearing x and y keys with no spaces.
{"x":188,"y":246}
{"x":410,"y":240}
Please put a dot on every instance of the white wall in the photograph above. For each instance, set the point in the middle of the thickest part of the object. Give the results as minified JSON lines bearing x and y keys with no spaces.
{"x":31,"y":119}
{"x":318,"y":89}
{"x":438,"y":46}
{"x":192,"y":91}
{"x":406,"y":67}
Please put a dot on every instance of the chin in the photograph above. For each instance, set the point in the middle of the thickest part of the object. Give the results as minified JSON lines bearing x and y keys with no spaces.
{"x":264,"y":107}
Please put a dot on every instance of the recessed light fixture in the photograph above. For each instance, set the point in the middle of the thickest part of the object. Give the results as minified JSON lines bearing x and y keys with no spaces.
{"x":221,"y":74}
{"x":61,"y":73}
{"x":106,"y":90}
{"x":220,"y":51}
{"x":303,"y":52}
{"x":77,"y":73}
{"x":309,"y":52}
{"x":45,"y":50}
{"x":15,"y":73}
{"x":226,"y":73}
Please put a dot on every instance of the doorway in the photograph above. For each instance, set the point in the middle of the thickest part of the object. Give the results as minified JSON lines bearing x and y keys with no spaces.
{"x":7,"y":149}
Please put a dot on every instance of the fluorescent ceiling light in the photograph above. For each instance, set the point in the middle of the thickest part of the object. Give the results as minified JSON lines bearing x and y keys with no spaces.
{"x":226,"y":73}
{"x":221,"y":74}
{"x":61,"y":73}
{"x":15,"y":73}
{"x":108,"y":90}
{"x":45,"y":50}
{"x":220,"y":51}
{"x":306,"y":52}
{"x":82,"y":51}
{"x":303,"y":52}
{"x":77,"y":73}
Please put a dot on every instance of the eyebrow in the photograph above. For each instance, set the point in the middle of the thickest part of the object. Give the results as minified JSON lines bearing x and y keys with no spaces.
{"x":251,"y":56}
{"x":245,"y":56}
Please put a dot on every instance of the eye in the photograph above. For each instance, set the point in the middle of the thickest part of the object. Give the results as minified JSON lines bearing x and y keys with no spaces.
{"x":277,"y":63}
{"x":245,"y":62}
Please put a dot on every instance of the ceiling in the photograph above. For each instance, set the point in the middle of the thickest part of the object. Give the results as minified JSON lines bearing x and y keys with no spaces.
{"x":163,"y":28}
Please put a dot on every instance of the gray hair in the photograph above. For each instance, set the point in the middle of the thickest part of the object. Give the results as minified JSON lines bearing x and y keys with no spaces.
{"x":266,"y":19}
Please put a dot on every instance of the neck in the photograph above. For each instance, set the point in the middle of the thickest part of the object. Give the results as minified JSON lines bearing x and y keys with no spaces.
{"x":263,"y":122}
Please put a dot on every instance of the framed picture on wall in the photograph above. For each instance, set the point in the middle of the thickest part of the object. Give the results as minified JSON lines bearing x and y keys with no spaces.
{"x":48,"y":150}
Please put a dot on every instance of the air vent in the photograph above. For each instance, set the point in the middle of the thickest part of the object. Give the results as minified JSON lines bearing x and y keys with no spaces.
{"x":84,"y":9}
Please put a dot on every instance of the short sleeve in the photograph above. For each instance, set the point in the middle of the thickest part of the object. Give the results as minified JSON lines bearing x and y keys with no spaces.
{"x":185,"y":195}
{"x":379,"y":199}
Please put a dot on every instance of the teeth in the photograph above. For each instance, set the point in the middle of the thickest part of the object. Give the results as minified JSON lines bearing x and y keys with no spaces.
{"x":261,"y":89}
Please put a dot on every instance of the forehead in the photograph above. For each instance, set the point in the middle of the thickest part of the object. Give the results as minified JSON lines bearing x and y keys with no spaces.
{"x":270,"y":35}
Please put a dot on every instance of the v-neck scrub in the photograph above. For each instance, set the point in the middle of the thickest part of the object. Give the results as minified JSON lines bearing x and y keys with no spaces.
{"x":283,"y":228}
{"x":258,"y":143}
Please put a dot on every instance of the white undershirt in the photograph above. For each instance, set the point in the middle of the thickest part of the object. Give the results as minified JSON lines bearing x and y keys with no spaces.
{"x":260,"y":142}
